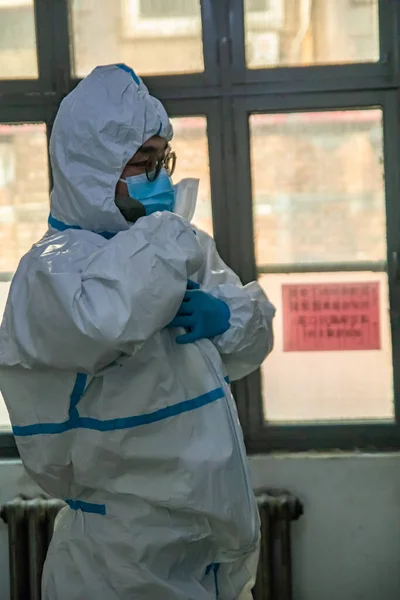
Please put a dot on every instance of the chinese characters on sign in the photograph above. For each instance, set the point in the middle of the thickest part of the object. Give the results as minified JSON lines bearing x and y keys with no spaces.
{"x":333,"y":316}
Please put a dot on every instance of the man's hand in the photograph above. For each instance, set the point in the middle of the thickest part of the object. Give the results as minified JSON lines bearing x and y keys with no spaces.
{"x":201,"y":314}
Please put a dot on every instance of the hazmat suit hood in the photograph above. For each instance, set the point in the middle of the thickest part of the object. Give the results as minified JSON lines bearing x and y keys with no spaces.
{"x":100,"y":125}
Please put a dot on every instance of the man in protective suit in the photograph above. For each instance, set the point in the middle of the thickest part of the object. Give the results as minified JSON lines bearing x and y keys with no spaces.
{"x":122,"y":330}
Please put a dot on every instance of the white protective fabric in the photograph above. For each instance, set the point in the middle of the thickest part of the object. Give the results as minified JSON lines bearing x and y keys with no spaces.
{"x":139,"y":433}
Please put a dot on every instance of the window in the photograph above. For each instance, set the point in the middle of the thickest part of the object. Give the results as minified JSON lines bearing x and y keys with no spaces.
{"x":191,"y":147}
{"x":4,"y":287}
{"x":327,"y":207}
{"x":24,"y":201}
{"x":327,"y":204}
{"x":17,"y":40}
{"x":287,"y":111}
{"x":159,"y":38}
{"x":24,"y":190}
{"x":311,"y":32}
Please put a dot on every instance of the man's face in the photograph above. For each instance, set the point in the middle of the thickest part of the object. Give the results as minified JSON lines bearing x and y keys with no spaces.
{"x":154,"y":148}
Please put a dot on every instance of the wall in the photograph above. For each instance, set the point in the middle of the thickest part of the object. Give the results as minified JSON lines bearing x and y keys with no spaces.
{"x":347,"y":545}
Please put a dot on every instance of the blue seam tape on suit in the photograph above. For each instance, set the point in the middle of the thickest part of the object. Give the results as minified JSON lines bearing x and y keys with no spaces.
{"x":61,"y":226}
{"x":130,"y":71}
{"x":76,"y":396}
{"x":216,"y":569}
{"x":123,"y":422}
{"x":88,"y":507}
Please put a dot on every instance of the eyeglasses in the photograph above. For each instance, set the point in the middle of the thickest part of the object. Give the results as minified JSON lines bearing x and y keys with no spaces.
{"x":156,"y":163}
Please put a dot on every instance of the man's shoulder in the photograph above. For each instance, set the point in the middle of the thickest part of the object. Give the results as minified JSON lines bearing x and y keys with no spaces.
{"x":59,"y":252}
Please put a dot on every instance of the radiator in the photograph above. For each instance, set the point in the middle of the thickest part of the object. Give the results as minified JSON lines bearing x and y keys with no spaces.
{"x":278,"y":509}
{"x":30,"y":528}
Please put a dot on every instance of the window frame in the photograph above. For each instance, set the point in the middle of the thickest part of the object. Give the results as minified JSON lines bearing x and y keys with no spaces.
{"x":226,"y":92}
{"x":319,"y":77}
{"x":170,"y":82}
{"x":299,"y":437}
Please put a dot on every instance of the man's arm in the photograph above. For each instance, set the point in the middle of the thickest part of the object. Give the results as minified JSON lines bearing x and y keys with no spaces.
{"x":128,"y":290}
{"x":249,"y":338}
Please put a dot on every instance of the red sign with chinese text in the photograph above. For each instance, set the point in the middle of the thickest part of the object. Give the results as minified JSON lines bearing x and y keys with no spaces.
{"x":333,"y":316}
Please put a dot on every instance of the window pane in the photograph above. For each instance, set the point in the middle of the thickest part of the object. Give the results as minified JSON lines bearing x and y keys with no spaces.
{"x":318,"y":187}
{"x":17,"y":40}
{"x":327,"y":385}
{"x":4,"y":418}
{"x":152,"y":36}
{"x":318,"y":197}
{"x":24,"y":201}
{"x":283,"y":33}
{"x":191,"y":147}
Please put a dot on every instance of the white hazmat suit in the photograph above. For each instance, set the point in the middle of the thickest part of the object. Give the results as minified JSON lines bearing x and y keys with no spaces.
{"x":137,"y":433}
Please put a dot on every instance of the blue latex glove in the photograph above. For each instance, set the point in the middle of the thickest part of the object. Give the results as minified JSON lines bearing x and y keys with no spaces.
{"x":201,"y":314}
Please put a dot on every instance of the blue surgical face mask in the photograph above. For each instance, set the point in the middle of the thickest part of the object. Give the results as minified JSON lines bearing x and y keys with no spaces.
{"x":157,"y":195}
